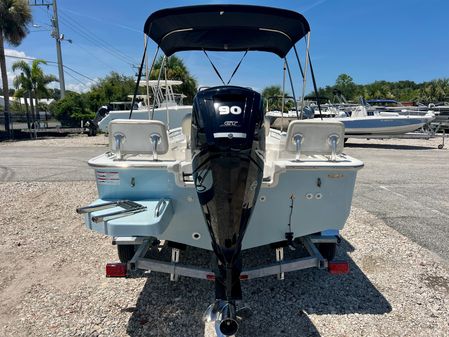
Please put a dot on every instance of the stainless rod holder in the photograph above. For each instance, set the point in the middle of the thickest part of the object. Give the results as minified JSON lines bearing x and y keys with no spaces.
{"x":298,"y":139}
{"x":155,"y":139}
{"x":333,"y":142}
{"x":119,"y":138}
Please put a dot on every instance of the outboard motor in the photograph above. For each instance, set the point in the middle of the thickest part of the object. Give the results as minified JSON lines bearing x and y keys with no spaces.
{"x":228,"y":149}
{"x":92,"y":124}
{"x":102,"y":112}
{"x":308,"y":112}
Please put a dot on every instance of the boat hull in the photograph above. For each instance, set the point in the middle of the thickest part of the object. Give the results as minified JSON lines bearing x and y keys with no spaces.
{"x":383,"y":125}
{"x":322,"y":201}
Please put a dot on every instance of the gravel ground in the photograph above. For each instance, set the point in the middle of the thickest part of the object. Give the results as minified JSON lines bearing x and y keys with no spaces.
{"x":52,"y":281}
{"x":100,"y":140}
{"x":69,"y":141}
{"x":397,"y":143}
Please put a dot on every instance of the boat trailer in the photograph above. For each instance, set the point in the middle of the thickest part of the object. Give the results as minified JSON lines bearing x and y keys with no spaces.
{"x":140,"y":265}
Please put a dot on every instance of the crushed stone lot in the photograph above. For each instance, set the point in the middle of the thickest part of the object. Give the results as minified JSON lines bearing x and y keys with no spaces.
{"x":52,"y":281}
{"x":69,"y":141}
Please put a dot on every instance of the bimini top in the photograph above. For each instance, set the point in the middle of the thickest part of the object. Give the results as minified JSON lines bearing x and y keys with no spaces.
{"x":226,"y":28}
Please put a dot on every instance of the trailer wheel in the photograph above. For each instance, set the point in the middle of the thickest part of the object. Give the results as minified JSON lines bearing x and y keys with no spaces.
{"x":125,"y":252}
{"x":328,"y":250}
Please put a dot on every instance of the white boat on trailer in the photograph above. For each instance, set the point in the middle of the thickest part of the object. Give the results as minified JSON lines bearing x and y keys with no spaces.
{"x":225,"y":181}
{"x":358,"y":120}
{"x":382,"y":123}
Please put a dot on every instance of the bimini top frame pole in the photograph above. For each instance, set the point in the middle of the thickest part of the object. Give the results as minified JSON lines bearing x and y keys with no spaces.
{"x":304,"y":78}
{"x":140,"y":75}
{"x":158,"y":83}
{"x":147,"y":76}
{"x":230,"y":28}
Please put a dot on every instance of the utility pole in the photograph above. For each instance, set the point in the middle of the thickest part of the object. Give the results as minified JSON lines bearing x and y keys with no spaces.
{"x":57,"y":36}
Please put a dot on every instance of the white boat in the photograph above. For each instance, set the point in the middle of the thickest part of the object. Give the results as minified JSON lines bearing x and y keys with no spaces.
{"x":382,"y":123}
{"x":359,"y":121}
{"x":224,"y":181}
{"x":167,"y":106}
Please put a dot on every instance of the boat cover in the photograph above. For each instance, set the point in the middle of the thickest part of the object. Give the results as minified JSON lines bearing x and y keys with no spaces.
{"x":226,"y":28}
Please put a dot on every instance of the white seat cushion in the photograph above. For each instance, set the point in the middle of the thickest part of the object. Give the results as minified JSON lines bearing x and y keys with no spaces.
{"x":315,"y":135}
{"x":137,"y":135}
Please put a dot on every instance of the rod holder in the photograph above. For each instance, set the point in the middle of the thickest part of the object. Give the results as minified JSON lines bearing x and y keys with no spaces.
{"x":297,"y":140}
{"x":333,"y":142}
{"x":119,"y":138}
{"x":155,"y":138}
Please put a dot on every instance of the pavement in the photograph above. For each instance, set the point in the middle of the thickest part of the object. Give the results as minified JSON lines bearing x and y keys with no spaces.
{"x":405,"y":184}
{"x":23,"y":163}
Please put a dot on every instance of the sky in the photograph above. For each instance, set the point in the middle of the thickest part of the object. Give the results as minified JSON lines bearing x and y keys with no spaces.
{"x":368,"y":39}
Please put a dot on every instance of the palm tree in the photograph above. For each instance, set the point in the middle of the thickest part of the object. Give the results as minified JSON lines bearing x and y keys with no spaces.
{"x":19,"y":93}
{"x":176,"y":70}
{"x":272,"y":96}
{"x":15,"y":15}
{"x":33,"y":81}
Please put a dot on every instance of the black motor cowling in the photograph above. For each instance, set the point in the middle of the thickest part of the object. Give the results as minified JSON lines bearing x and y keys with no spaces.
{"x":228,"y":148}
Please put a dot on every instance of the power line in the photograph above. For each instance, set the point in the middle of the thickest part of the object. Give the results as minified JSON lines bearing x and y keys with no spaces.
{"x":75,"y":78}
{"x":102,"y":21}
{"x":78,"y":80}
{"x":52,"y":62}
{"x":79,"y":45}
{"x":78,"y":29}
{"x":89,"y":35}
{"x":98,"y":44}
{"x":93,"y":55}
{"x":78,"y":73}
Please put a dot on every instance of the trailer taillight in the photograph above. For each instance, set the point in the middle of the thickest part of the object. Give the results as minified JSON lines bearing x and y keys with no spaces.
{"x":338,"y":267}
{"x":116,"y":270}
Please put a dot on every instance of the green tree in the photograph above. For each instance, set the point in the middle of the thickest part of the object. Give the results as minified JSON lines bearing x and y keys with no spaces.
{"x":15,"y":15}
{"x":427,"y":92}
{"x":435,"y":91}
{"x":114,"y":87}
{"x":345,"y":84}
{"x":272,"y":96}
{"x":72,"y":109}
{"x":33,"y":81}
{"x":176,"y":70}
{"x":20,"y":92}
